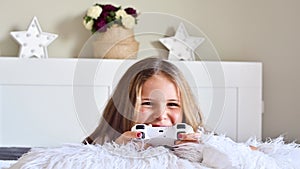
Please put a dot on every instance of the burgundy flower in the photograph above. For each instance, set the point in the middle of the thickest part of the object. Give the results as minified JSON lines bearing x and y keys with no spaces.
{"x":100,"y":24}
{"x":109,"y":8}
{"x":104,"y":14}
{"x":107,"y":17}
{"x":131,"y":11}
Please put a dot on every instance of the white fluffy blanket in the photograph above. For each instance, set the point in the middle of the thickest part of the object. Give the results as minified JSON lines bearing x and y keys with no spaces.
{"x":213,"y":152}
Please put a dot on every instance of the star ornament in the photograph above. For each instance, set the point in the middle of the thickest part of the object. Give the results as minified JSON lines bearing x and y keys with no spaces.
{"x":34,"y":41}
{"x":181,"y":46}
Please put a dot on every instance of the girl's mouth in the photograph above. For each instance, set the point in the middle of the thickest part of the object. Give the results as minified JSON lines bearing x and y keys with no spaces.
{"x":159,"y":125}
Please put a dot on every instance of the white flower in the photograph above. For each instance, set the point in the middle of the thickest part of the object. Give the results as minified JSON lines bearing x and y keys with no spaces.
{"x":88,"y":25}
{"x":128,"y":21}
{"x":94,"y":11}
{"x":121,"y":14}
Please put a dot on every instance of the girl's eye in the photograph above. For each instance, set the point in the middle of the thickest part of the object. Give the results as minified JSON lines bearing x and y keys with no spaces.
{"x":147,"y":103}
{"x":175,"y":105}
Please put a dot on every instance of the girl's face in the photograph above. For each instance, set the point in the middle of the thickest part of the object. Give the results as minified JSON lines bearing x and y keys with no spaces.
{"x":160,"y":103}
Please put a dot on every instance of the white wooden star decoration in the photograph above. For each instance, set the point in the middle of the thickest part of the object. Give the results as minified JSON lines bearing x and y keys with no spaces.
{"x":181,"y":46}
{"x":33,"y":42}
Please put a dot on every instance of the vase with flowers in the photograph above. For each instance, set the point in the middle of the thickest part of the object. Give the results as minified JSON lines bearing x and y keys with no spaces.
{"x":113,"y":27}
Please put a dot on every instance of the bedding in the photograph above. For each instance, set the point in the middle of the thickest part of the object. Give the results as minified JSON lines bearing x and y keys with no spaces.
{"x":10,"y":155}
{"x":4,"y":164}
{"x":212,"y":152}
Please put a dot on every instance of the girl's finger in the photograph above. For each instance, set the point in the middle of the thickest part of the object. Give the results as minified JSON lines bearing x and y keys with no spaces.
{"x":128,"y":136}
{"x":132,"y":134}
{"x":177,"y":142}
{"x":189,"y":136}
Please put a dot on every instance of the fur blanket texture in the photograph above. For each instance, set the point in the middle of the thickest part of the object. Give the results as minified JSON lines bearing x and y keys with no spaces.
{"x":213,"y":152}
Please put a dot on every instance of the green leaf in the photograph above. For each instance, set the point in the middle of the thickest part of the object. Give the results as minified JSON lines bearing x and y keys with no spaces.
{"x":87,"y":19}
{"x":112,"y":13}
{"x":109,"y":19}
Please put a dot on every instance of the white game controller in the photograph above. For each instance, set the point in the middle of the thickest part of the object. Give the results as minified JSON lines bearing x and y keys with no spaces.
{"x":161,"y":135}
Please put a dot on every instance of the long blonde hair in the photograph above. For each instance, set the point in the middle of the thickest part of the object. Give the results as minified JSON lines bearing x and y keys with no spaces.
{"x":118,"y":115}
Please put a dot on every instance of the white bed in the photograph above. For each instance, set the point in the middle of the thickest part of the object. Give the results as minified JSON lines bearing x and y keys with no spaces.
{"x":48,"y":102}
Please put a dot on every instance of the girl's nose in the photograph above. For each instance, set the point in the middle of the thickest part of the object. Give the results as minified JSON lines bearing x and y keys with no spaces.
{"x":158,"y":98}
{"x":161,"y":111}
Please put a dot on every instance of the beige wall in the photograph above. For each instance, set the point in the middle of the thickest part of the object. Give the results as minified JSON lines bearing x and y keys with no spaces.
{"x":241,"y":30}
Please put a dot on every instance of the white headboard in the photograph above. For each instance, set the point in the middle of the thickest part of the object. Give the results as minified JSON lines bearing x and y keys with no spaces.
{"x":47,"y":102}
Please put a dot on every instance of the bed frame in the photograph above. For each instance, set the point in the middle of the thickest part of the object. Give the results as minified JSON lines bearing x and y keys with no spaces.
{"x":48,"y":102}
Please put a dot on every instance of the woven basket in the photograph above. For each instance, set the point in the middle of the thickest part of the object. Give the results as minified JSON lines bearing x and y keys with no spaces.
{"x":116,"y":43}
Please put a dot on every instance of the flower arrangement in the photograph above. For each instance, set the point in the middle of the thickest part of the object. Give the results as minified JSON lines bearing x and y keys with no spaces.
{"x":99,"y":17}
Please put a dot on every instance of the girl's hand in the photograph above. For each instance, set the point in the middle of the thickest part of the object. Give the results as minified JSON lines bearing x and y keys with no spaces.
{"x":188,"y":138}
{"x":127,"y":137}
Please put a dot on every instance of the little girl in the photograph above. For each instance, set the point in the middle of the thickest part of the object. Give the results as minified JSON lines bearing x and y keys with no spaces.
{"x":152,"y":91}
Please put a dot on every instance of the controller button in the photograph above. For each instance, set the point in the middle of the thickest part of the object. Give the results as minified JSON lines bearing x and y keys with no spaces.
{"x":140,"y":126}
{"x":179,"y":134}
{"x":180,"y":126}
{"x":143,"y":135}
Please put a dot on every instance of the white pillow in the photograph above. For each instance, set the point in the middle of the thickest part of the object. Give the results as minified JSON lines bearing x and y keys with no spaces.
{"x":4,"y":164}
